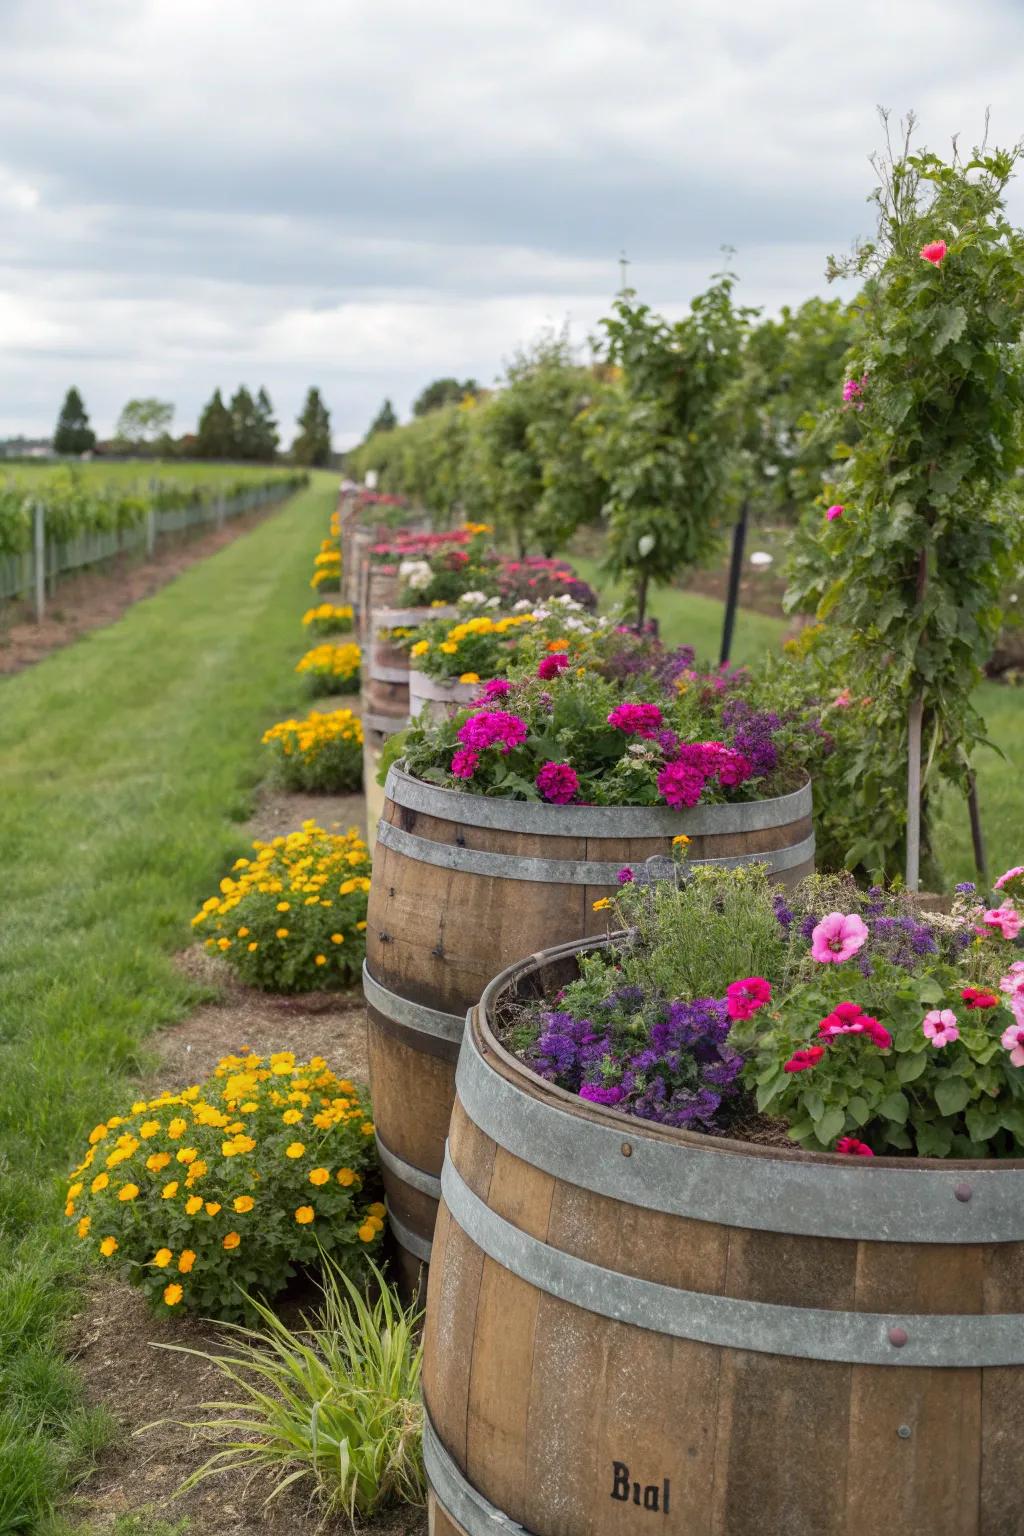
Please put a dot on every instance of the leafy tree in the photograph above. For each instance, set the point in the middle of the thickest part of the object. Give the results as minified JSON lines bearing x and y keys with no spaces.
{"x":906,"y":575}
{"x":215,"y":436}
{"x":664,"y":441}
{"x":385,"y":420}
{"x":267,"y":437}
{"x":73,"y":433}
{"x":143,"y":421}
{"x":313,"y":444}
{"x":443,"y":392}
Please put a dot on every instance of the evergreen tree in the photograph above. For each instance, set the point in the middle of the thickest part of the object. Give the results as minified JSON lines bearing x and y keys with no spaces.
{"x":385,"y":419}
{"x":267,"y":437}
{"x":443,"y":392}
{"x":313,"y":444}
{"x":73,"y":433}
{"x":215,"y":438}
{"x":245,"y":425}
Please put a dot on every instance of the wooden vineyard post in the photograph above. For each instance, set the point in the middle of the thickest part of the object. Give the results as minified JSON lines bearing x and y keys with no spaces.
{"x":39,"y":558}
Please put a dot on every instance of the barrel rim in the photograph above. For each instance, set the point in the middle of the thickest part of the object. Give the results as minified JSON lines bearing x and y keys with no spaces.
{"x":440,"y":690}
{"x":610,"y":821}
{"x":390,"y":617}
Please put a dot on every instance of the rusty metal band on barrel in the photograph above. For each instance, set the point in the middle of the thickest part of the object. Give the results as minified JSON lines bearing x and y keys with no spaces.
{"x":767,"y":1194}
{"x":807,"y":1333}
{"x":618,"y":821}
{"x":506,"y":866}
{"x":466,"y":1505}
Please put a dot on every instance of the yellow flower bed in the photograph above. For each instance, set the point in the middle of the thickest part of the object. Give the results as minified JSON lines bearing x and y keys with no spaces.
{"x":332,"y":668}
{"x":480,"y":645}
{"x":329,"y":619}
{"x":322,"y":754}
{"x":231,"y":1183}
{"x":293,"y":918}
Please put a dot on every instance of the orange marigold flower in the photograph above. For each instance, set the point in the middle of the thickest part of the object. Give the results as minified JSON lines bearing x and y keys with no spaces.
{"x":232,"y":1240}
{"x":304,"y":1215}
{"x":173,"y":1294}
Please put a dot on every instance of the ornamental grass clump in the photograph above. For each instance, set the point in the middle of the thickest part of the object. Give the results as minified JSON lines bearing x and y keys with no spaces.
{"x":332,"y":1406}
{"x":844,"y":1020}
{"x":293,"y":918}
{"x":322,"y":754}
{"x":332,"y":668}
{"x":230,"y":1186}
{"x":329,"y":619}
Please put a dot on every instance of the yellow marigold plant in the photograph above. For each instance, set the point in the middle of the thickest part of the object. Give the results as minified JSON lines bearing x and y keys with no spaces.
{"x":327,"y":568}
{"x":329,"y":619}
{"x":322,"y":754}
{"x":332,"y":668}
{"x":293,"y":919}
{"x":232,"y":1185}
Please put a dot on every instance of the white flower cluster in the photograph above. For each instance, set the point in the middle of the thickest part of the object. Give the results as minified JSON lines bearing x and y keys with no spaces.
{"x":415,"y":573}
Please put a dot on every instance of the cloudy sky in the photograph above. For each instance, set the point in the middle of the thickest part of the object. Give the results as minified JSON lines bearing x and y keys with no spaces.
{"x":366,"y":195}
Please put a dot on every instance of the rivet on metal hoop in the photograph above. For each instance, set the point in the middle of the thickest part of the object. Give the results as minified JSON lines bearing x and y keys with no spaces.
{"x":898,"y":1337}
{"x":904,"y":1431}
{"x":627,"y":1149}
{"x":963,"y":1192}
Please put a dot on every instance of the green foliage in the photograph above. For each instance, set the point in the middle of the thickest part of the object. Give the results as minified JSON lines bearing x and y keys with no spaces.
{"x":227,"y":1188}
{"x":333,"y":1408}
{"x":73,"y":433}
{"x":321,"y":754}
{"x":441,"y":392}
{"x":663,"y":442}
{"x":386,"y":420}
{"x":313,"y":443}
{"x":253,"y":428}
{"x":908,"y":580}
{"x":215,"y":435}
{"x":143,"y":421}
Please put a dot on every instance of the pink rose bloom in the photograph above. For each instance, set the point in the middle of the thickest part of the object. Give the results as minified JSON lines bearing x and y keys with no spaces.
{"x":834,"y":512}
{"x":1012,"y":1040}
{"x":552,"y":665}
{"x":464,"y":763}
{"x":940,"y":1027}
{"x":558,"y":783}
{"x":849,"y":1146}
{"x":744,"y":998}
{"x":1006,"y":918}
{"x":837,"y":937}
{"x":935,"y":252}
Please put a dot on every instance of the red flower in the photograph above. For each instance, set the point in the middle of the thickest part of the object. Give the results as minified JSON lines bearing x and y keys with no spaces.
{"x":744,"y":998}
{"x":935,"y":252}
{"x":802,"y":1061}
{"x":851,"y":1147}
{"x":552,"y":665}
{"x":974,"y":997}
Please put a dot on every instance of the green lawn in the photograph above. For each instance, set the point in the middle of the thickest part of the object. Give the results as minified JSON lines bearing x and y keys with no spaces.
{"x":126,"y":764}
{"x":687,"y":617}
{"x":138,"y":472}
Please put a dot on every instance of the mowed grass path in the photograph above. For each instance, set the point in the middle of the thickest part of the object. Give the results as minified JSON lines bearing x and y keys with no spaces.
{"x":692,"y":619}
{"x":126,"y":764}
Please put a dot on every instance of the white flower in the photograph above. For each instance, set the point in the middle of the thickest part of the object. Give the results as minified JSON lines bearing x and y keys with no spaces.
{"x":473,"y":597}
{"x":577,"y":624}
{"x":541,"y":613}
{"x":565,"y":601}
{"x":522,"y":605}
{"x":415,"y":573}
{"x":492,"y":602}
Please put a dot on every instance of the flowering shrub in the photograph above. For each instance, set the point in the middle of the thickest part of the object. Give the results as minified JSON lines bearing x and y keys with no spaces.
{"x":696,"y":744}
{"x":488,"y":646}
{"x":322,"y":753}
{"x":294,"y":917}
{"x":329,"y":619}
{"x":536,"y":580}
{"x":231,"y":1184}
{"x":854,"y":1020}
{"x":327,"y":568}
{"x":332,"y":668}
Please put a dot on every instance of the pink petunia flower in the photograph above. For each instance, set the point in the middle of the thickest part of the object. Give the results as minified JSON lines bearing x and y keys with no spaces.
{"x":837,"y":937}
{"x":802,"y":1061}
{"x":851,"y":1147}
{"x":940,"y":1027}
{"x":558,"y":783}
{"x":935,"y":252}
{"x":1012,"y":878}
{"x":464,"y":763}
{"x":1006,"y":918}
{"x":835,"y":512}
{"x":744,"y":998}
{"x":1012,"y":1040}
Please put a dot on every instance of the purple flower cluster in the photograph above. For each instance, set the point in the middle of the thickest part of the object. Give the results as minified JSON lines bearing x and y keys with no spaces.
{"x":753,"y":734}
{"x":902,"y":940}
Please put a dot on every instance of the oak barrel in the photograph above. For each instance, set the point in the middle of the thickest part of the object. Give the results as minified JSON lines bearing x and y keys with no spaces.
{"x":635,"y":1328}
{"x":438,"y":697}
{"x":464,"y":885}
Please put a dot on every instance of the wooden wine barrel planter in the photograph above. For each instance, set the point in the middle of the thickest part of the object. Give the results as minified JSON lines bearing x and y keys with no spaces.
{"x":439,"y":698}
{"x":634,"y":1328}
{"x":463,"y":886}
{"x":356,"y":541}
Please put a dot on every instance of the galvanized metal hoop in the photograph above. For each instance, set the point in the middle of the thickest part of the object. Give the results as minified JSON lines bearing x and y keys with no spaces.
{"x":417,"y":1016}
{"x":467,"y":1506}
{"x":416,"y":1178}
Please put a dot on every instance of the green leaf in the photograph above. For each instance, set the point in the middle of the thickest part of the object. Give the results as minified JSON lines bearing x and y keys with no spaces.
{"x":830,"y":1126}
{"x":910,"y":1067}
{"x":952,"y":1094}
{"x":895,"y":1106}
{"x":950,"y":320}
{"x":858,"y":1110}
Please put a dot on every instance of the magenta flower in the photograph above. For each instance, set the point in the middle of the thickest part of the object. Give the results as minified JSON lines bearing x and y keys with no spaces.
{"x":493,"y":728}
{"x":1012,"y":1040}
{"x":636,"y":719}
{"x":1006,"y":918}
{"x":802,"y":1061}
{"x":849,"y":1146}
{"x":853,"y":389}
{"x":935,"y":252}
{"x":598,"y":1095}
{"x":744,"y":998}
{"x":550,"y":666}
{"x":680,"y":785}
{"x":837,"y":937}
{"x":940,"y":1027}
{"x":835,"y":511}
{"x":464,"y":763}
{"x":497,"y":688}
{"x":625,"y":876}
{"x":1010,"y":876}
{"x":558,"y":783}
{"x":1013,"y":985}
